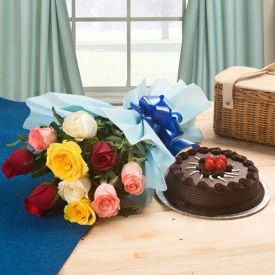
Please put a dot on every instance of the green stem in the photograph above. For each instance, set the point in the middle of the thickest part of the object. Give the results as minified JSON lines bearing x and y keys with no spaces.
{"x":130,"y":154}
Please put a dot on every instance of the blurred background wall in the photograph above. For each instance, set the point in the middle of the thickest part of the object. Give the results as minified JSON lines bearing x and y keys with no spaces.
{"x":269,"y":30}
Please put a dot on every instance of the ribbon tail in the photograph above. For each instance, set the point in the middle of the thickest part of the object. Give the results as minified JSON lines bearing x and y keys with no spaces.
{"x":180,"y":144}
{"x":136,"y":108}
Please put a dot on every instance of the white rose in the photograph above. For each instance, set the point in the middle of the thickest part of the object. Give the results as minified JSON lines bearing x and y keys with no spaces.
{"x":74,"y":190}
{"x":80,"y":125}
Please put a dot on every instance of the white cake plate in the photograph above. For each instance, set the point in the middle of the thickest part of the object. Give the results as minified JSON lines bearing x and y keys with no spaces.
{"x":162,"y":199}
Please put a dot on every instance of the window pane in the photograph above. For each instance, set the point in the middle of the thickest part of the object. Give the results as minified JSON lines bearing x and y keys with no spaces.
{"x":101,"y":8}
{"x":69,"y":7}
{"x":155,"y":51}
{"x":101,"y":53}
{"x":158,"y":8}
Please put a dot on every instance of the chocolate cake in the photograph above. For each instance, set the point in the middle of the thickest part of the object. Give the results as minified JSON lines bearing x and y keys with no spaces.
{"x":211,"y":182}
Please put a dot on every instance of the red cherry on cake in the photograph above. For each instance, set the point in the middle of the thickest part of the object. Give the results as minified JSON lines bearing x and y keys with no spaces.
{"x":223,"y":158}
{"x":210,"y":157}
{"x":209,"y":165}
{"x":220,"y":165}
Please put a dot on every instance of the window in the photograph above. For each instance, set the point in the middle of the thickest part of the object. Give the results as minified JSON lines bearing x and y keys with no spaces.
{"x":121,"y":42}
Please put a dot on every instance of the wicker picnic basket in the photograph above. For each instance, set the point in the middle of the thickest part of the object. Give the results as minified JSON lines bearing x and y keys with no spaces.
{"x":245,"y":104}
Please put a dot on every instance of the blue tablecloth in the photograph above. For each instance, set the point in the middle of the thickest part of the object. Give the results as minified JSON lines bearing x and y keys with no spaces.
{"x":28,"y":245}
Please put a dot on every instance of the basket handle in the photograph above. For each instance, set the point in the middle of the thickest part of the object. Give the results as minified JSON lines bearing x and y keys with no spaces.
{"x":228,"y":85}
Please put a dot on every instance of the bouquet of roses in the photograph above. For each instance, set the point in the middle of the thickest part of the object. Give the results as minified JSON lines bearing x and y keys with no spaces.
{"x":95,"y":169}
{"x":105,"y":161}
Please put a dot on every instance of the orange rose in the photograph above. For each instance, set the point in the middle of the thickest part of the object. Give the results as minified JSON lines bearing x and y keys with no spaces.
{"x":106,"y":202}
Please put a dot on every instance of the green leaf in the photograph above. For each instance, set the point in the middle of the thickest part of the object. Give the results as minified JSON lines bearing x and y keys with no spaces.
{"x":14,"y":143}
{"x":114,"y":139}
{"x":40,"y":167}
{"x":55,"y":127}
{"x":59,"y":118}
{"x":138,"y":160}
{"x":99,"y":176}
{"x":56,"y":180}
{"x":141,"y":148}
{"x":88,"y":144}
{"x":40,"y":171}
{"x":113,"y":180}
{"x":23,"y":138}
{"x":130,"y":155}
{"x":39,"y":155}
{"x":111,"y":174}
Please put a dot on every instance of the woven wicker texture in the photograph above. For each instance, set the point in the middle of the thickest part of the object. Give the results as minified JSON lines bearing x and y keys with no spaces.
{"x":251,"y":119}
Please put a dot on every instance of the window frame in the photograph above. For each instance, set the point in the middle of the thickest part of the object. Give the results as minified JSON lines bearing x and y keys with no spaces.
{"x":114,"y":94}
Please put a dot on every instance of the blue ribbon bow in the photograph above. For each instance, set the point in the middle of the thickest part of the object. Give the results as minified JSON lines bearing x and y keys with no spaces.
{"x":158,"y":112}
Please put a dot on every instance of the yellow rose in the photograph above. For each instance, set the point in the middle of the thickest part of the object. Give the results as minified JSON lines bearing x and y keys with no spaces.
{"x":65,"y":161}
{"x":80,"y":212}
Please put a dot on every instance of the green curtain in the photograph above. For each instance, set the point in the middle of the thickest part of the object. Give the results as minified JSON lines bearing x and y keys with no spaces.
{"x":218,"y":34}
{"x":36,"y":49}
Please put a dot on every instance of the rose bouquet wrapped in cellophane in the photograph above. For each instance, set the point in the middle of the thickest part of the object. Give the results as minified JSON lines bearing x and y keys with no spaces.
{"x":94,"y":168}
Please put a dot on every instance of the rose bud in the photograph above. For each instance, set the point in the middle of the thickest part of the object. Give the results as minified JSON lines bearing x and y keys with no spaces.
{"x":80,"y":125}
{"x":41,"y":138}
{"x":132,"y":178}
{"x":106,"y":202}
{"x":42,"y":199}
{"x":20,"y":162}
{"x":104,"y":156}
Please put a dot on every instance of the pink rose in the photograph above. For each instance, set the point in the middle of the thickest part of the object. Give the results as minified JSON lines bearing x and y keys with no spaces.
{"x":106,"y":202}
{"x":132,"y":178}
{"x":41,"y":138}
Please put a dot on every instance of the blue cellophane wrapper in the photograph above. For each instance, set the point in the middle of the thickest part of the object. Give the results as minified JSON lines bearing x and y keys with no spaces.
{"x":189,"y":101}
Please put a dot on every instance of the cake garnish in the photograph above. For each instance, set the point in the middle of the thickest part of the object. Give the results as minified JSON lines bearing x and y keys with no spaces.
{"x":213,"y":163}
{"x":194,"y":172}
{"x":231,"y":173}
{"x":209,"y":164}
{"x":213,"y":166}
{"x":190,"y":167}
{"x":220,"y":178}
{"x":195,"y":163}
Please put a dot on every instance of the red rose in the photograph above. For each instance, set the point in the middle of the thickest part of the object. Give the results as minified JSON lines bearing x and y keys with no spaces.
{"x":104,"y":156}
{"x":20,"y":162}
{"x":42,"y":198}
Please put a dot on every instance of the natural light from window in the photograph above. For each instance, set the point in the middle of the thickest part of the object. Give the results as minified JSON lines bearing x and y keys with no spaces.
{"x":121,"y":42}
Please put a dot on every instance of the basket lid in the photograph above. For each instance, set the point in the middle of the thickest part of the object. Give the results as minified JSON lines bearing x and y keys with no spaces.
{"x":247,"y":78}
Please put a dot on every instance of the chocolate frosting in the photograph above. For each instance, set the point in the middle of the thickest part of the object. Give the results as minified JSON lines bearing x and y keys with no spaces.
{"x":207,"y":197}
